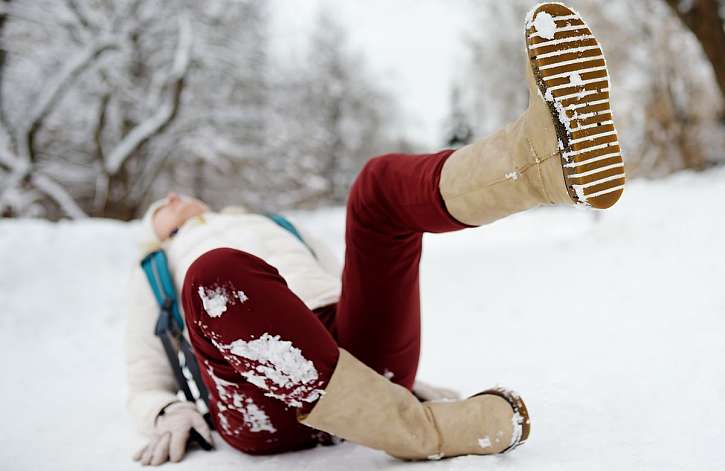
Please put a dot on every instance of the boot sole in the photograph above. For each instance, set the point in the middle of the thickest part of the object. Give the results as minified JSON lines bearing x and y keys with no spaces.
{"x":519,"y":407}
{"x":570,"y":69}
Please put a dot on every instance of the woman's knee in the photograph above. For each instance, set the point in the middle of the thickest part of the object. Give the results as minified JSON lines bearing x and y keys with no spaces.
{"x":366,"y":198}
{"x":227,"y":261}
{"x":226,"y":278}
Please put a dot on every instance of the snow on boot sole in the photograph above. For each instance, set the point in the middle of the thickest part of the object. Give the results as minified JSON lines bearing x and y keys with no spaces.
{"x":521,"y":419}
{"x":571,"y":72}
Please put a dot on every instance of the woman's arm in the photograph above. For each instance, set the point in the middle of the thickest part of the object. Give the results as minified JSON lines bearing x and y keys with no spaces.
{"x":151,"y":382}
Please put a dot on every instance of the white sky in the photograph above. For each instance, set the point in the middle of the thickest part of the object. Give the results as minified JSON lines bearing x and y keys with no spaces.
{"x":415,"y":46}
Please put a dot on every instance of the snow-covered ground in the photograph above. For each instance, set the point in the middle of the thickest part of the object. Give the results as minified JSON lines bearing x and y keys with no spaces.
{"x":612,"y":328}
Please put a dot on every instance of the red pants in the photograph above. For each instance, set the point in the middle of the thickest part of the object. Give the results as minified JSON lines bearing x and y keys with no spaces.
{"x":265,"y":356}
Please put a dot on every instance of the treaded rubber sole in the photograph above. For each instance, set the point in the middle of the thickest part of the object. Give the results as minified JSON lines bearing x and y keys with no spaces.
{"x":571,"y":72}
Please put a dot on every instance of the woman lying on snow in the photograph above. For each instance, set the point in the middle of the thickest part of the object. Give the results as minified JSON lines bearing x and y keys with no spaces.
{"x":291,"y":354}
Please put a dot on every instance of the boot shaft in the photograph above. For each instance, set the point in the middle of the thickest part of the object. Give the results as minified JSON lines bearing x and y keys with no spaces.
{"x":563,"y":149}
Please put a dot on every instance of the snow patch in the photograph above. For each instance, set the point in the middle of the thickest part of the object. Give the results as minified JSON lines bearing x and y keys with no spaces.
{"x":214,"y":300}
{"x":565,"y":155}
{"x":224,"y":421}
{"x":443,"y":399}
{"x":255,"y":419}
{"x":517,"y":421}
{"x":579,"y":189}
{"x":576,"y":79}
{"x":563,"y":116}
{"x":545,"y":25}
{"x":218,"y":298}
{"x":512,"y":176}
{"x":388,"y":374}
{"x":484,"y":442}
{"x":436,"y":457}
{"x":279,"y":368}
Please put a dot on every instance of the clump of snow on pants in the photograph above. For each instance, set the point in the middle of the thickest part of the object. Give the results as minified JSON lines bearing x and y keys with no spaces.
{"x":484,"y":442}
{"x":275,"y":366}
{"x":545,"y":25}
{"x":255,"y":419}
{"x":214,"y":300}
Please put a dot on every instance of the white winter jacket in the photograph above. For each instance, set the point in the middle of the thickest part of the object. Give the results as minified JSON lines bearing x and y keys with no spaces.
{"x":316,"y":280}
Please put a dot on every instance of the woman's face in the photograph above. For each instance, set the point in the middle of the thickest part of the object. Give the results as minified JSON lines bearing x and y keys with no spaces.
{"x":174,"y":213}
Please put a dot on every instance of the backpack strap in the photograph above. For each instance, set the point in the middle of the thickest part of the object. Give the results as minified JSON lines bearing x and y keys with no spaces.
{"x":156,"y":267}
{"x":285,"y":224}
{"x":170,"y":327}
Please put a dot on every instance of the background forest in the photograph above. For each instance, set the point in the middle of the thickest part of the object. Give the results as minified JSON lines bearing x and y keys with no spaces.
{"x":106,"y":105}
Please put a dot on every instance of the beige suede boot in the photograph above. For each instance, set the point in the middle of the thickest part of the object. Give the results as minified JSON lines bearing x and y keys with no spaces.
{"x":564,"y":149}
{"x":364,"y":407}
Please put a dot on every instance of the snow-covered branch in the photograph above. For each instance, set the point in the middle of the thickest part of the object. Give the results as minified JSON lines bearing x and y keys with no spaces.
{"x":190,"y":96}
{"x":55,"y":91}
{"x":7,"y":161}
{"x":166,"y":112}
{"x":20,"y":169}
{"x":58,"y":194}
{"x":82,"y":16}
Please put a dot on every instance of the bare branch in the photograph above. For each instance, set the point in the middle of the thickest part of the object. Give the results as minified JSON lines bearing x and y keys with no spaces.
{"x":157,"y":122}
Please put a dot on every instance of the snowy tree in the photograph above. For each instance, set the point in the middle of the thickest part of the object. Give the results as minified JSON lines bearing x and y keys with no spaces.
{"x":706,"y":19}
{"x":87,"y":88}
{"x":665,"y":95}
{"x":340,"y":117}
{"x":492,"y":89}
{"x":458,"y":130}
{"x":105,"y":106}
{"x":221,"y":133}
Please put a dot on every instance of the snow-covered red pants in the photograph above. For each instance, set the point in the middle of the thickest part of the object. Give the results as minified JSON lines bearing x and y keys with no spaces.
{"x":265,"y":356}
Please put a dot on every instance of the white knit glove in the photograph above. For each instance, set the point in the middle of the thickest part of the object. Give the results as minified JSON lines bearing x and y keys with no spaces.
{"x":428,"y":392}
{"x":171,"y":433}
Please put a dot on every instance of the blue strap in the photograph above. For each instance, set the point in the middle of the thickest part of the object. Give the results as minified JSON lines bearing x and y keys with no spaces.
{"x":285,"y":223}
{"x":156,"y":267}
